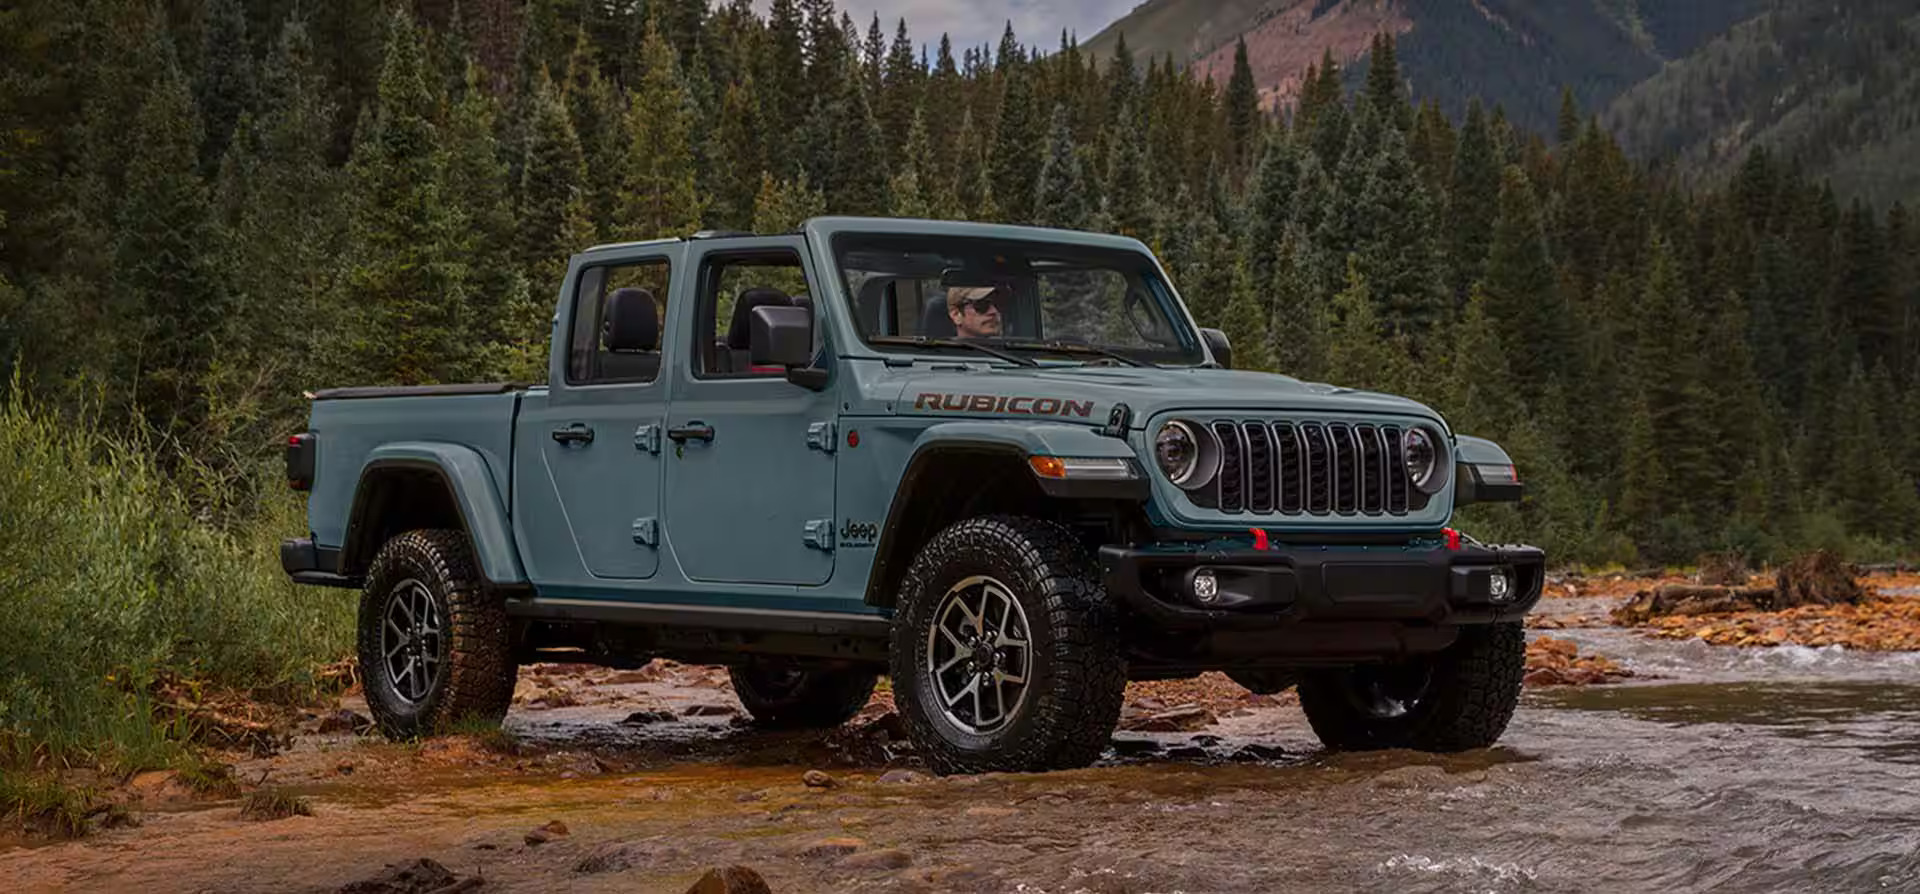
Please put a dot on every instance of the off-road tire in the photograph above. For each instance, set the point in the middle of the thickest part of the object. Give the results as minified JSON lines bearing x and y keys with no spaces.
{"x":814,"y":698}
{"x":1077,"y":676}
{"x":477,"y":669}
{"x":1470,"y":696}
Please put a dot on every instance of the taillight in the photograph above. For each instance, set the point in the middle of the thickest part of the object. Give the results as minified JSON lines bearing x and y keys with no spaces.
{"x":300,"y":461}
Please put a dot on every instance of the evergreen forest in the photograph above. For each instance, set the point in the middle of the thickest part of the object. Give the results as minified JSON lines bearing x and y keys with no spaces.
{"x":208,"y":207}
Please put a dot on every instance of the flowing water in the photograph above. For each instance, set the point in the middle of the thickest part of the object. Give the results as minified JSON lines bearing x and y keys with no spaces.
{"x":1784,"y":769}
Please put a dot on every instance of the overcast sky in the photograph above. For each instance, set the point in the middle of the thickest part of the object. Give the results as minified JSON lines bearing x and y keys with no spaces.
{"x":973,"y":22}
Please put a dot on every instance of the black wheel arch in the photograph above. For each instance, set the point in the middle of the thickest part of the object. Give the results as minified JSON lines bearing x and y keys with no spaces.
{"x":947,"y":481}
{"x":393,"y":496}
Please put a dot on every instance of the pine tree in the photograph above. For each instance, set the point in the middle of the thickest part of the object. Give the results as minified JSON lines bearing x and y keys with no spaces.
{"x":734,"y":159}
{"x":1432,"y":145}
{"x":659,"y":196}
{"x":168,"y":299}
{"x":1245,"y":320}
{"x":1473,"y":201}
{"x":899,"y":98}
{"x":781,"y":206}
{"x":786,"y":96}
{"x":1127,"y":206}
{"x":553,"y":202}
{"x":1270,"y":203}
{"x":596,"y":114}
{"x":1016,"y":155}
{"x":1298,"y":319}
{"x":1243,"y":110}
{"x":1383,"y":83}
{"x":1569,"y":117}
{"x":476,"y":186}
{"x":1667,"y":434}
{"x":1060,"y":198}
{"x":1398,"y":249}
{"x":409,"y":283}
{"x":226,"y":84}
{"x":1523,"y":291}
{"x":1359,"y":354}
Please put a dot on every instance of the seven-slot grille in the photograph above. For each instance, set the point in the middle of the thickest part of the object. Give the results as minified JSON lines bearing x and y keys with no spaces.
{"x":1310,"y":468}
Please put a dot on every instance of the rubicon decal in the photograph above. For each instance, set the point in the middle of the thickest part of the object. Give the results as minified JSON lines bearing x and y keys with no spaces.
{"x":1001,"y":403}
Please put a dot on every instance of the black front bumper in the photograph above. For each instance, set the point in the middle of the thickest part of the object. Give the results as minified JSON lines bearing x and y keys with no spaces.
{"x":1290,"y":584}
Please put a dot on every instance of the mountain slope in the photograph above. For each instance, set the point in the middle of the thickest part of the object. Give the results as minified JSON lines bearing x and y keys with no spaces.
{"x":1517,"y":53}
{"x":1832,"y":87}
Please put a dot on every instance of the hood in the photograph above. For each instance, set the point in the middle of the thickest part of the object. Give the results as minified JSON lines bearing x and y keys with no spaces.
{"x":1088,"y":394}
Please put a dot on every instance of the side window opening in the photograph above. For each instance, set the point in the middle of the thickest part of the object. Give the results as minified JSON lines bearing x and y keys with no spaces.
{"x":731,"y":287}
{"x":618,"y":314}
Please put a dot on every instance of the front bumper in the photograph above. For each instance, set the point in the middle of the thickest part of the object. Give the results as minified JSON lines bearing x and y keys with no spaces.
{"x":1256,"y":588}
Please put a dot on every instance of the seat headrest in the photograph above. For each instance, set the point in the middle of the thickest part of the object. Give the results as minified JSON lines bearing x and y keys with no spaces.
{"x":633,"y":324}
{"x":739,"y":331}
{"x":934,"y":321}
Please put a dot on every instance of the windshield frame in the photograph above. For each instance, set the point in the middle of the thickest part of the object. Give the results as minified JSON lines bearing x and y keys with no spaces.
{"x":1188,"y":351}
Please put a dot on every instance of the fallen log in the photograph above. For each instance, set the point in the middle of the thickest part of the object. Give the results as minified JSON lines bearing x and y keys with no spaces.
{"x":1817,"y":578}
{"x":1668,"y":600}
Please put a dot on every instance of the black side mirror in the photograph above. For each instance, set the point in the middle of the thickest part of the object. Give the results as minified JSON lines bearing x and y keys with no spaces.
{"x":1218,"y":346}
{"x":783,"y":336}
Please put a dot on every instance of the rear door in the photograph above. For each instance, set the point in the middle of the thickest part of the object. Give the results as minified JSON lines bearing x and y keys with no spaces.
{"x":592,"y":475}
{"x":750,"y":456}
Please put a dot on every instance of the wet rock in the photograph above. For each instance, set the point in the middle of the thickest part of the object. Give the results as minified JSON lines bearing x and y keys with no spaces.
{"x":885,"y":859}
{"x":1183,"y":719}
{"x":746,"y":797}
{"x":818,"y":779}
{"x":831,"y":847}
{"x":611,"y":857}
{"x":643,"y":718}
{"x":1186,"y":753}
{"x":1135,"y":747}
{"x":1258,"y":752}
{"x":731,"y":880}
{"x":1205,"y":740}
{"x":416,"y":877}
{"x":991,"y":811}
{"x":710,"y":710}
{"x":888,"y":725}
{"x":344,"y":721}
{"x":553,"y":829}
{"x":902,"y":777}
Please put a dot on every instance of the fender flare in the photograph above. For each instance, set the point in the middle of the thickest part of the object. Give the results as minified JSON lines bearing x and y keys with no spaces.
{"x":468,"y":480}
{"x":1471,"y":485}
{"x":1018,"y":439}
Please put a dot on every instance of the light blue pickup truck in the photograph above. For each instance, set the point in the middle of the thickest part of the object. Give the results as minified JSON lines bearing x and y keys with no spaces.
{"x":1000,"y":464}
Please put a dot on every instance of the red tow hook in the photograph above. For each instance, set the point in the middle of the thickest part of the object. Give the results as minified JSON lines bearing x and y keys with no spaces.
{"x":1259,"y":539}
{"x":1453,"y":540}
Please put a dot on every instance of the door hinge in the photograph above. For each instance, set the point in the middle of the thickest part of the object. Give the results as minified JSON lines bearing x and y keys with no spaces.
{"x":646,"y":531}
{"x":821,"y":436}
{"x":647,"y":437}
{"x":820,"y":534}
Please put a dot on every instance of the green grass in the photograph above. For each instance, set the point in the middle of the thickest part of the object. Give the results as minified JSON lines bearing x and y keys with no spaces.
{"x":111,"y":579}
{"x":273,"y":804}
{"x":47,"y":806}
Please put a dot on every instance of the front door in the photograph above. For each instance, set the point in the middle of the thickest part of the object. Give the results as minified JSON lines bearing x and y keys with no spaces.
{"x":750,"y":456}
{"x":598,"y":433}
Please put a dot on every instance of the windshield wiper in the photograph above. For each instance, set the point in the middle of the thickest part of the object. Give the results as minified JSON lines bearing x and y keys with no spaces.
{"x":924,"y":341}
{"x":1074,"y":347}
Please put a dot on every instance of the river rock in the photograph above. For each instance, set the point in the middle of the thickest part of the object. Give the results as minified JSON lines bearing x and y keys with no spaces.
{"x":885,"y":859}
{"x":643,"y":718}
{"x":832,"y":847}
{"x":731,"y":880}
{"x":416,"y":877}
{"x":553,"y":829}
{"x":818,"y":779}
{"x":710,"y":710}
{"x":902,"y":777}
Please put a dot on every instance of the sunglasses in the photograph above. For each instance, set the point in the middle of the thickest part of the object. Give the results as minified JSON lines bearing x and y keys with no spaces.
{"x":982,"y":305}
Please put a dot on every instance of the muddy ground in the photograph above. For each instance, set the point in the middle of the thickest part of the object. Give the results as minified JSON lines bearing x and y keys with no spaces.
{"x":1711,"y":768}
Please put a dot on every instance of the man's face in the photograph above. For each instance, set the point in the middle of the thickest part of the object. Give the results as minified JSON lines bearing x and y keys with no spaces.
{"x":975,"y":312}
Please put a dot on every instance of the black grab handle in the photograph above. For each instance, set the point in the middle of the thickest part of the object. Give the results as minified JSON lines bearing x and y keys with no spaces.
{"x":692,"y":431}
{"x":572,"y":433}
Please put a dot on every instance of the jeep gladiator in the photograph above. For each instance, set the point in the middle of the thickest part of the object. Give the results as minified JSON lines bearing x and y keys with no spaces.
{"x":1000,"y":464}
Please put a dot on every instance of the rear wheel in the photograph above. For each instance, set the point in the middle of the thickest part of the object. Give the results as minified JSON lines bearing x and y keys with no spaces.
{"x":433,"y":640}
{"x":1457,"y":699}
{"x":795,"y":698}
{"x":1005,"y":655}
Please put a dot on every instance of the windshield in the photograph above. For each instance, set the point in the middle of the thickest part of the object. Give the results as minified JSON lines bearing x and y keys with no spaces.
{"x":1046,"y":300}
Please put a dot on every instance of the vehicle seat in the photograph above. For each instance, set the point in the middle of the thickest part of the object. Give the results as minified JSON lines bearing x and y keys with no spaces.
{"x":934,"y":321}
{"x":632,"y":337}
{"x":736,"y":357}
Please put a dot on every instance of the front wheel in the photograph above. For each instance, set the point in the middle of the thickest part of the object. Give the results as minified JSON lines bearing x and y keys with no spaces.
{"x":1005,"y":653}
{"x":433,"y":640}
{"x":1455,"y":700}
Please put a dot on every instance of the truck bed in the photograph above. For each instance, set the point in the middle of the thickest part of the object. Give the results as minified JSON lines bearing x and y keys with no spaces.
{"x":350,"y":424}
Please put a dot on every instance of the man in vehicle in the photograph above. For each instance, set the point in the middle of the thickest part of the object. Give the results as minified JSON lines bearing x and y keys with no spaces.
{"x":975,"y":310}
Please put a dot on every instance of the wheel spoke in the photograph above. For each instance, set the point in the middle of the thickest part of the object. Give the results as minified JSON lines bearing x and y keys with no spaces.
{"x":978,"y":709}
{"x":1019,"y":679}
{"x":956,"y":659}
{"x":972,"y":687}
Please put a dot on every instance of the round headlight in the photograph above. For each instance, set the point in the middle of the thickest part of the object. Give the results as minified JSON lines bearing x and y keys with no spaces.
{"x":1423,"y":451}
{"x":1182,"y":455}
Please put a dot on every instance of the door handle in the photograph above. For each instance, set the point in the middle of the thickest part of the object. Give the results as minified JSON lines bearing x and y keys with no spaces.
{"x":692,"y":431}
{"x":572,"y":433}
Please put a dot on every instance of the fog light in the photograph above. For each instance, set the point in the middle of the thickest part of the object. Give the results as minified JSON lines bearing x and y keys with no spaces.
{"x":1206,"y":588}
{"x":1499,"y":586}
